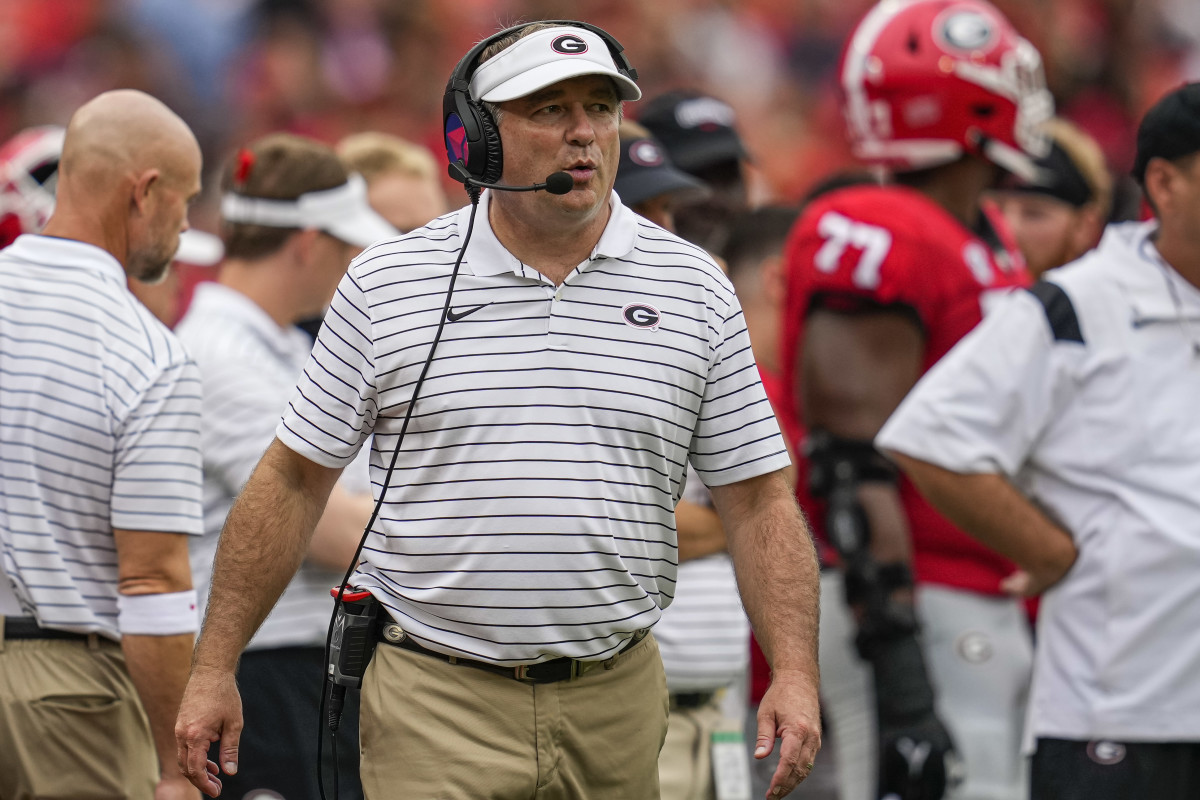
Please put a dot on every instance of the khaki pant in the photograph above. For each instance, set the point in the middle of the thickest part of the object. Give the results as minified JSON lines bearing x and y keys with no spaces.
{"x":71,"y":725}
{"x":685,"y":764}
{"x":440,"y":731}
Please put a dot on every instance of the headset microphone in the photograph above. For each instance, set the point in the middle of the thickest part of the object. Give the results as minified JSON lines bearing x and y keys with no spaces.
{"x":555,"y":183}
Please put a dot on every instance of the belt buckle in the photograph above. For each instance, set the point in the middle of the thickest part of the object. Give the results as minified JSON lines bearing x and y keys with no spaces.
{"x":521,"y":672}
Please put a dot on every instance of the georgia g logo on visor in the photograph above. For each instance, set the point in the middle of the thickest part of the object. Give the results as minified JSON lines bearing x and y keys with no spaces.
{"x":641,"y":315}
{"x":569,"y":45}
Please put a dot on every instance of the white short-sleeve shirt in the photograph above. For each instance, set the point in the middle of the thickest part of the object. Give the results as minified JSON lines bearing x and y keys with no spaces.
{"x":531,"y":512}
{"x":249,"y":367}
{"x":99,"y":430}
{"x":1085,"y":391}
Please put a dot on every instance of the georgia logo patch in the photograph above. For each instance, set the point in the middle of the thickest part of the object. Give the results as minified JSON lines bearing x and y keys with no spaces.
{"x":569,"y":45}
{"x":966,"y":30}
{"x":641,"y":315}
{"x":645,"y":153}
{"x":1106,"y":753}
{"x":974,"y":647}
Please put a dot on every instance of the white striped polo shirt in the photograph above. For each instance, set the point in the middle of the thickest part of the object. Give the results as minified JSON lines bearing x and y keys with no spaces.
{"x":531,"y":513}
{"x":704,"y":636}
{"x":249,"y":367}
{"x":99,"y":429}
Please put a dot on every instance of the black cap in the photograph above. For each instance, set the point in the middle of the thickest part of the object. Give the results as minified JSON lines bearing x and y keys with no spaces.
{"x":645,"y":172}
{"x":1170,"y":130}
{"x":1058,"y":176}
{"x":697,"y":130}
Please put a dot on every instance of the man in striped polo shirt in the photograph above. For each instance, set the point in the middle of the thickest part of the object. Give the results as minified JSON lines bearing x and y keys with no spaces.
{"x":100,"y":464}
{"x":292,"y":218}
{"x":526,"y":538}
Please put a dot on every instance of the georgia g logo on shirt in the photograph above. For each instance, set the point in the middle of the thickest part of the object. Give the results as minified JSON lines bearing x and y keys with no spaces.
{"x":641,"y":315}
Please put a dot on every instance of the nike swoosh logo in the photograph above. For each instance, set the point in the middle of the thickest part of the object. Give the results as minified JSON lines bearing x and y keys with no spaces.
{"x":455,"y":316}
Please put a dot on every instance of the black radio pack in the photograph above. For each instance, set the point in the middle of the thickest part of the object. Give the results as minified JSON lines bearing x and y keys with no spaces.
{"x":350,"y":646}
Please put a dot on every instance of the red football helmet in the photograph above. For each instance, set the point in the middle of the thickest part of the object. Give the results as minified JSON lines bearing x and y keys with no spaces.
{"x":925,"y":81}
{"x":28,"y":174}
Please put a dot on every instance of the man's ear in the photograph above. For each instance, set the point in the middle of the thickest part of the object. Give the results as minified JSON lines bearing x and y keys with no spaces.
{"x":1086,"y":233}
{"x":301,"y":244}
{"x":774,"y":280}
{"x":1159,"y":181}
{"x":143,"y":185}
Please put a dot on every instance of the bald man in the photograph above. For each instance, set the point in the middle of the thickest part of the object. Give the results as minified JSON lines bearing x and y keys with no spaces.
{"x":99,"y":419}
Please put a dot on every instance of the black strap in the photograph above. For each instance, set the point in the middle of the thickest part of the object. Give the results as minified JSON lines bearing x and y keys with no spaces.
{"x":1060,"y":312}
{"x":28,"y":628}
{"x":553,"y":671}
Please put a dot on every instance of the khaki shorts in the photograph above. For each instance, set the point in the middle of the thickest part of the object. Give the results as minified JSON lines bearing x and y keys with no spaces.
{"x":71,"y":725}
{"x":441,"y":731}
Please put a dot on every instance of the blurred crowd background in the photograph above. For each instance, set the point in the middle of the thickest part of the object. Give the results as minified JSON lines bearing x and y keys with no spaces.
{"x":235,"y":69}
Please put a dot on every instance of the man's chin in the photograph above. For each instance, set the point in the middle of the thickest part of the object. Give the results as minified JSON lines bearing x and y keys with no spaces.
{"x":152,"y":273}
{"x":583,"y":199}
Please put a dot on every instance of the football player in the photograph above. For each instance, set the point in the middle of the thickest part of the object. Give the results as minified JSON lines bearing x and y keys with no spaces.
{"x":28,"y":175}
{"x":882,"y":281}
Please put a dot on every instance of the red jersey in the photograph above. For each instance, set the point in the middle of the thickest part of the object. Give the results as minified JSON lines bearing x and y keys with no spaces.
{"x":867,"y":247}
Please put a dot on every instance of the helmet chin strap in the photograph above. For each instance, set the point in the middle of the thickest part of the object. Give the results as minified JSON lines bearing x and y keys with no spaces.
{"x":1011,"y":159}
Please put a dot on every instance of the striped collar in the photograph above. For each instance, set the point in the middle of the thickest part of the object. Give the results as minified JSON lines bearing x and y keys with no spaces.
{"x":53,"y":251}
{"x":486,"y":256}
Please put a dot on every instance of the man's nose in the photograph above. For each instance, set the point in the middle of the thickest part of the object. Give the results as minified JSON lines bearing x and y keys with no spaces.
{"x":581,"y":130}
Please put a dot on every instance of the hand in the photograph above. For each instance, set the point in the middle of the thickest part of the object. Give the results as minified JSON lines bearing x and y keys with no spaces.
{"x":1054,"y":562}
{"x":1028,"y":584}
{"x":790,"y":710}
{"x":917,"y":761}
{"x":211,"y":709}
{"x":175,"y":787}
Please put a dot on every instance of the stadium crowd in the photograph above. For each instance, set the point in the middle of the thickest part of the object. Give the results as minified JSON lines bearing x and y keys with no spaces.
{"x":940,"y":387}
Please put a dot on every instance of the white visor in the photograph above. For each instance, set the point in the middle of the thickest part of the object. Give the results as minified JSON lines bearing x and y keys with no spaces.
{"x":546,"y":57}
{"x":199,"y":248}
{"x":343,"y":212}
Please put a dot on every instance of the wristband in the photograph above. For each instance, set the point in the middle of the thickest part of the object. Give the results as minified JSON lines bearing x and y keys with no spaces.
{"x":158,"y":614}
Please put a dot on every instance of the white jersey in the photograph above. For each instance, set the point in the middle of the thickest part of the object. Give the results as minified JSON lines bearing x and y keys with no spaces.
{"x":99,"y":430}
{"x":531,"y":513}
{"x":1086,"y":392}
{"x":249,"y":366}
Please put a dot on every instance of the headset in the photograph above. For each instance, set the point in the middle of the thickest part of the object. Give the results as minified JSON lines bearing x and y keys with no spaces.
{"x":348,"y":641}
{"x":471,"y":134}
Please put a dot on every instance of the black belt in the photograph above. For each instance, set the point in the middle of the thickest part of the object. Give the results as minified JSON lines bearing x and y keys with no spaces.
{"x":27,"y":628}
{"x":553,"y":671}
{"x":686,"y":700}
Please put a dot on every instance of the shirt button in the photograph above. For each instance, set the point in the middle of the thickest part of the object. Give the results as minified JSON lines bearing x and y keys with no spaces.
{"x":558,"y":294}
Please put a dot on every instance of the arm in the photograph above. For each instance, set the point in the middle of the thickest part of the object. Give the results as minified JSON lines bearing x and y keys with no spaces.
{"x":264,"y":540}
{"x":854,"y":371}
{"x":157,"y":563}
{"x":700,"y":531}
{"x":340,"y":528}
{"x":990,"y":508}
{"x":778,"y":578}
